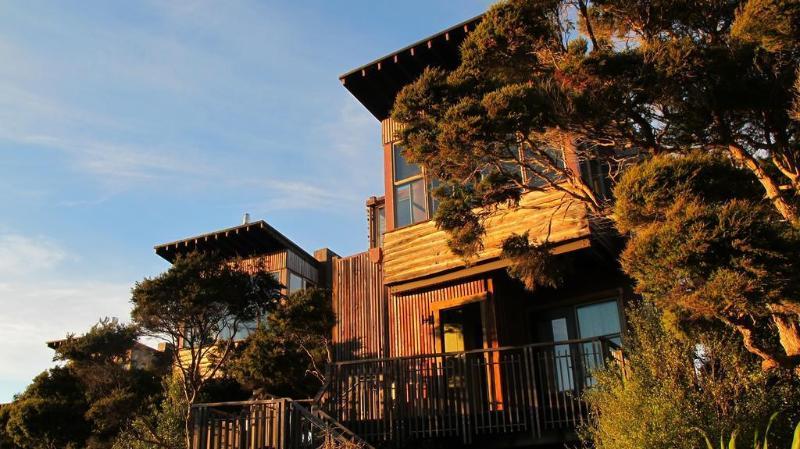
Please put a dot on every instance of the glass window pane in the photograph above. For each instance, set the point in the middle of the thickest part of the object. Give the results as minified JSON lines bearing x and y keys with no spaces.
{"x":402,"y":168}
{"x":296,"y":283}
{"x":419,"y":210}
{"x":402,"y":199}
{"x":381,"y":225}
{"x":434,"y":184}
{"x":563,"y":356}
{"x":541,"y":168}
{"x":245,"y":329}
{"x":598,"y":320}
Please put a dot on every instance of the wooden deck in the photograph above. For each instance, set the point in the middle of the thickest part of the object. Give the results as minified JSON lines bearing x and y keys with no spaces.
{"x":531,"y":391}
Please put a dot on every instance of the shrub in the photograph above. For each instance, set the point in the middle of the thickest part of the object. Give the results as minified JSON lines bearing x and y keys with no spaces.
{"x":675,"y":383}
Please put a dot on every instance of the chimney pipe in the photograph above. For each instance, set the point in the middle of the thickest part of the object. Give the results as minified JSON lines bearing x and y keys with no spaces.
{"x":246,"y":218}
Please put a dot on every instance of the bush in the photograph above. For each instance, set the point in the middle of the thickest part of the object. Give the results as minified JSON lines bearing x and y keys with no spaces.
{"x":162,"y":427}
{"x":675,"y":383}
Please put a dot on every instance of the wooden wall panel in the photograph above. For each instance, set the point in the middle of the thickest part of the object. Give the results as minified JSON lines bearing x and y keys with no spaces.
{"x":301,"y":266}
{"x":266,"y":262}
{"x":389,"y":130}
{"x":411,"y":321}
{"x":421,"y":250}
{"x":359,"y":301}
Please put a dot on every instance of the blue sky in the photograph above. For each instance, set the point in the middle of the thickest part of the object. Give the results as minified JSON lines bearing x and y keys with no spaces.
{"x":127,"y":124}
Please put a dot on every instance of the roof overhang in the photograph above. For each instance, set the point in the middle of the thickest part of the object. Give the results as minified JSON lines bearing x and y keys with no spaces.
{"x":246,"y":240}
{"x":377,"y":84}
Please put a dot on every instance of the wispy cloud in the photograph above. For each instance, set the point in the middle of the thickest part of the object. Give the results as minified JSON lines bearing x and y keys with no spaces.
{"x":293,"y":194}
{"x":22,"y":255}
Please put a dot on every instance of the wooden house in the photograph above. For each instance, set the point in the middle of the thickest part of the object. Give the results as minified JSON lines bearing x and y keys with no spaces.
{"x":433,"y":351}
{"x":255,"y":246}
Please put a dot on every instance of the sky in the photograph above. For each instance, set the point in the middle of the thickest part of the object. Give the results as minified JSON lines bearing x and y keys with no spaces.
{"x":128,"y":124}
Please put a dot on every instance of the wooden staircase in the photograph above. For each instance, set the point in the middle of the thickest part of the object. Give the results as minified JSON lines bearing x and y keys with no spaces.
{"x":269,"y":424}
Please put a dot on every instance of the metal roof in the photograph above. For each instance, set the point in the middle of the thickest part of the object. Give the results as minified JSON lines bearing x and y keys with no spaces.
{"x":377,"y":84}
{"x":246,"y":240}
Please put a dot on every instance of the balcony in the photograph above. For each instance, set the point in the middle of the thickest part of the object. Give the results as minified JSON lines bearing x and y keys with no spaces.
{"x":491,"y":397}
{"x":530,"y":393}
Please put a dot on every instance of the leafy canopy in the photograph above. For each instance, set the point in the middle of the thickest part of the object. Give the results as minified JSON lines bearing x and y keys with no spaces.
{"x":703,"y":245}
{"x":287,"y":355}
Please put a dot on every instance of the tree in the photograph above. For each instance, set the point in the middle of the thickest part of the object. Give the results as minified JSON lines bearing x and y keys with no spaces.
{"x":514,"y":117}
{"x":86,"y":402}
{"x":199,"y":305}
{"x":161,"y":425}
{"x":719,"y":76}
{"x":544,"y":85}
{"x":287,"y":356}
{"x":676,"y":383}
{"x":703,"y":245}
{"x":114,"y":389}
{"x":49,"y":414}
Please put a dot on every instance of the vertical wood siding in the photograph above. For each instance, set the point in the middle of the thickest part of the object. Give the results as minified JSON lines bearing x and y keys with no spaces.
{"x":265,"y":262}
{"x":301,"y":266}
{"x":359,"y":303}
{"x":411,"y":321}
{"x":389,"y":130}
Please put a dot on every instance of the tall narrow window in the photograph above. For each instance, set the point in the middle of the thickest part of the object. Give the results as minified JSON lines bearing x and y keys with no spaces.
{"x":380,"y":225}
{"x":410,"y":198}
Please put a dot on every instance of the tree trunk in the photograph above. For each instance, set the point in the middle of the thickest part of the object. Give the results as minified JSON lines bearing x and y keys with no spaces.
{"x":187,"y":424}
{"x":746,"y":329}
{"x":789,"y":333}
{"x":771,"y":186}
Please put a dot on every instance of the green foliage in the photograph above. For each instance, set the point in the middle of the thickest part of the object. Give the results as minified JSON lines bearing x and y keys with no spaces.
{"x":287,"y":356}
{"x":771,"y":25}
{"x":200,"y":304}
{"x":5,"y":438}
{"x":703,"y":245}
{"x":757,"y":442}
{"x":201,"y":299}
{"x":106,"y":342}
{"x":672,"y":385}
{"x":647,"y":191}
{"x":533,"y":264}
{"x":86,"y":402}
{"x":161,"y":426}
{"x":49,"y":414}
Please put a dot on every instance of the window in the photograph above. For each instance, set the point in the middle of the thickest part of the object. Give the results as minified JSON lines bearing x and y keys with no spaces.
{"x":297,"y":283}
{"x":563,"y":355}
{"x":410,"y":203}
{"x":411,"y":200}
{"x":377,"y":219}
{"x":434,"y":203}
{"x":600,"y":320}
{"x":595,"y":173}
{"x":402,"y":168}
{"x":541,"y":168}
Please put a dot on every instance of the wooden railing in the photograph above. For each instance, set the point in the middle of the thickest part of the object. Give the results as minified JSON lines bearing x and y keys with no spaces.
{"x":534,"y":390}
{"x":268,"y":424}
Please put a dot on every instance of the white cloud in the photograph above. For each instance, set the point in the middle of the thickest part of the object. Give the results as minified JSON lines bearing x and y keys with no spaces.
{"x":35,"y":312}
{"x":37,"y":306}
{"x":21,"y":255}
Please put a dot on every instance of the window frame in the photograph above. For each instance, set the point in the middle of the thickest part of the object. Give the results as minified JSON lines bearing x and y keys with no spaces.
{"x":409,"y":181}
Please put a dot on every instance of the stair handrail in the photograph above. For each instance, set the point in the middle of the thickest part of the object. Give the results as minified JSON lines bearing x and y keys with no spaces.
{"x":325,"y":421}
